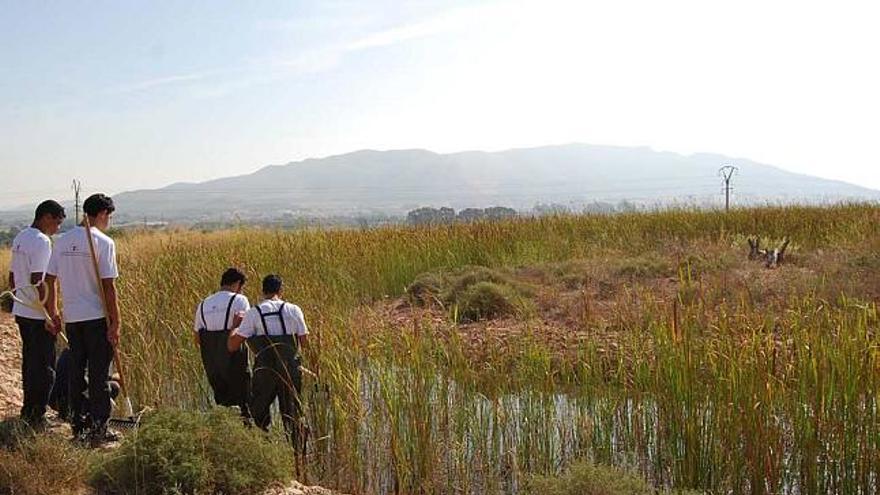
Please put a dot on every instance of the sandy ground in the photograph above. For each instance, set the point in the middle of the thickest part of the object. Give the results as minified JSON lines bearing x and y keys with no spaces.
{"x":10,"y":367}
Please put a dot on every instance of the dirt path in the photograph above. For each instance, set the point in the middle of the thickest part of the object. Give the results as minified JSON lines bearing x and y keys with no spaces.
{"x":10,"y":367}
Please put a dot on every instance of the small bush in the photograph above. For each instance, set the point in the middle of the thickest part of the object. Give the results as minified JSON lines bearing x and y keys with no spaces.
{"x":487,"y":300}
{"x":584,"y":478}
{"x":13,"y":432}
{"x":462,"y":280}
{"x":472,"y":292}
{"x":425,"y":289}
{"x":644,"y":267}
{"x":177,"y":451}
{"x":40,"y":463}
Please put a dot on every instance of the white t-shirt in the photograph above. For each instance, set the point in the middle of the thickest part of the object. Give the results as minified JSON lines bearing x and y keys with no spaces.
{"x":31,"y":250}
{"x":293,"y":320}
{"x":71,"y":262}
{"x":211,"y":312}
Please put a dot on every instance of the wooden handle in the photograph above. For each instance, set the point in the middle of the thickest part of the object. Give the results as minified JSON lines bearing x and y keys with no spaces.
{"x":103,"y":297}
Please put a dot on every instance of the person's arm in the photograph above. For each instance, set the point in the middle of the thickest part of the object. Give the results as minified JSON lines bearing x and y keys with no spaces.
{"x":236,"y":320}
{"x":39,"y":265}
{"x":301,"y":330}
{"x":52,"y":303}
{"x":241,"y":306}
{"x":196,"y":337}
{"x":108,"y":271}
{"x":112,"y":310}
{"x":234,"y":342}
{"x":241,"y":333}
{"x":36,"y":278}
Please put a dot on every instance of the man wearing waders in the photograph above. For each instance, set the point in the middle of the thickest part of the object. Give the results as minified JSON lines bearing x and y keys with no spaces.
{"x":215,"y":318}
{"x":275,"y":332}
{"x":92,"y":334}
{"x":31,"y":250}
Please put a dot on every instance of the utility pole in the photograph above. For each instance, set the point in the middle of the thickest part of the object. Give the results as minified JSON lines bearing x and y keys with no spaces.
{"x":726,"y":172}
{"x":77,"y":186}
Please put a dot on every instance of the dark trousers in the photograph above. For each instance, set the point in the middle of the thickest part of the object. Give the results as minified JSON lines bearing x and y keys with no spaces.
{"x":37,"y":367}
{"x":277,"y":375}
{"x":227,"y":372}
{"x":89,"y":349}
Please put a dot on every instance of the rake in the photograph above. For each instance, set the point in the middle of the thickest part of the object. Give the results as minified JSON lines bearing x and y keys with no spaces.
{"x":128,"y":419}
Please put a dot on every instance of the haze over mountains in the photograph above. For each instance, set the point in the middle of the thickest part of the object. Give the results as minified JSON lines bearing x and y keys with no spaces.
{"x":394,"y":182}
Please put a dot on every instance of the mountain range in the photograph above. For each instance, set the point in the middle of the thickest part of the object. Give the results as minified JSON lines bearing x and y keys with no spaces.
{"x":393,"y":182}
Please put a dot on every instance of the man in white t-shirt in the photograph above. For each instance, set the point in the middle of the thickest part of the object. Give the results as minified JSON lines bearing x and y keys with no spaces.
{"x":275,"y":332}
{"x":216,"y":317}
{"x":92,"y":332}
{"x":31,"y":250}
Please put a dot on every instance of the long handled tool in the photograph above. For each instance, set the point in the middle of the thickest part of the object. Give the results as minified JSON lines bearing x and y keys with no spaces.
{"x":39,"y":305}
{"x":128,"y":419}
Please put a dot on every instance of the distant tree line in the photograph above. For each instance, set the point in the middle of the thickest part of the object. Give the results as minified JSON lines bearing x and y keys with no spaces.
{"x":433,"y":216}
{"x":594,"y":207}
{"x":6,"y":236}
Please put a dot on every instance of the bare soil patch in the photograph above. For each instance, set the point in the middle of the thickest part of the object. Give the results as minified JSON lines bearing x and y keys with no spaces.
{"x":10,"y":367}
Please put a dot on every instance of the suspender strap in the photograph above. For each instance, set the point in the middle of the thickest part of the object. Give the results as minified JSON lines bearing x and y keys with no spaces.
{"x":202,"y":312}
{"x":281,"y":317}
{"x":279,"y":314}
{"x":228,"y":309}
{"x":263,"y":319}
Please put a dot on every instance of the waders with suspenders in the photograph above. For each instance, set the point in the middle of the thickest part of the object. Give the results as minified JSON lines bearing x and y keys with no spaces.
{"x":227,"y":372}
{"x":277,"y":374}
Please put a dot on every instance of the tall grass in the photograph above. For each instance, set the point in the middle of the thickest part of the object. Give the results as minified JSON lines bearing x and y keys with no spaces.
{"x":731,"y":393}
{"x":5,"y":263}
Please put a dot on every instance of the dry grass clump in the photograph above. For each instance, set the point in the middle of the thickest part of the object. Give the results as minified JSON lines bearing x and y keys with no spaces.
{"x":36,"y":464}
{"x":177,"y":451}
{"x":585,"y":478}
{"x":472,"y":293}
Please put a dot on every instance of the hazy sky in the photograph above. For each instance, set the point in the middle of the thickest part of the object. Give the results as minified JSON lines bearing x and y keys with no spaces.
{"x":127,"y":95}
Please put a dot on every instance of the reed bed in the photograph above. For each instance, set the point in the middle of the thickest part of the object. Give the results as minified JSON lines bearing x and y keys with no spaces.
{"x":728,"y":389}
{"x":5,"y":261}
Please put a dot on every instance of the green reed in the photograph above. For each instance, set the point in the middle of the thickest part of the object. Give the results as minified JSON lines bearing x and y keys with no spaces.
{"x":743,"y":390}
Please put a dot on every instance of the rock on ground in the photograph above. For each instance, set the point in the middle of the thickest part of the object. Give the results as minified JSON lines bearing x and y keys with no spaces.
{"x":297,"y":488}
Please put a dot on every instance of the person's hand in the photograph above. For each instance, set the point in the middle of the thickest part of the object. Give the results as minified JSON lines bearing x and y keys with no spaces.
{"x":53,"y":324}
{"x":113,"y":333}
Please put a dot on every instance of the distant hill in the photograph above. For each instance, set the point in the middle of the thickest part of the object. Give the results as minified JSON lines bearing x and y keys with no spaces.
{"x":394,"y":182}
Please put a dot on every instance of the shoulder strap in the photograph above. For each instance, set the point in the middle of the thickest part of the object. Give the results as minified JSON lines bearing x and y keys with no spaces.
{"x":228,"y":309}
{"x":263,"y":319}
{"x":202,"y":312}
{"x":281,"y":317}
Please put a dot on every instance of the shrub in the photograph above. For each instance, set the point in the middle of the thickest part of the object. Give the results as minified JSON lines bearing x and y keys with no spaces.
{"x":473,"y":293}
{"x":425,"y":289}
{"x":643,"y":267}
{"x":177,"y":451}
{"x":487,"y":300}
{"x":461,"y":281}
{"x":584,"y":478}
